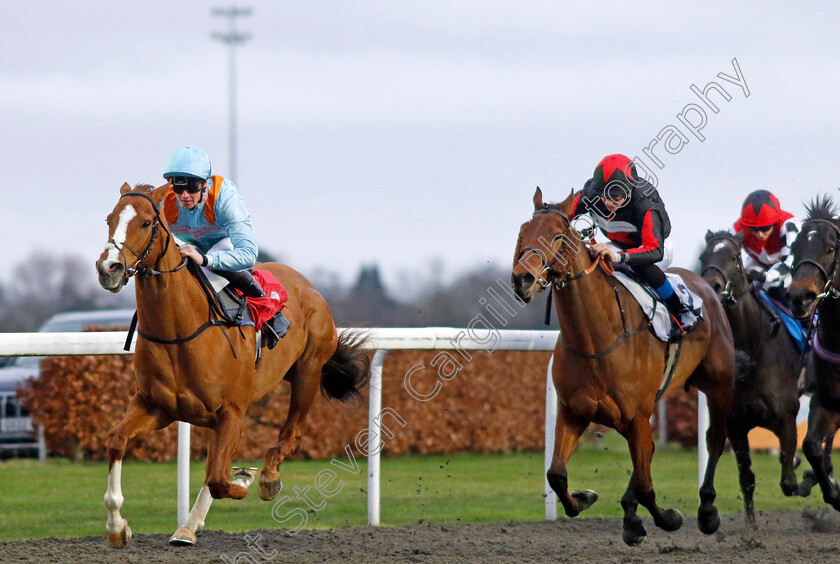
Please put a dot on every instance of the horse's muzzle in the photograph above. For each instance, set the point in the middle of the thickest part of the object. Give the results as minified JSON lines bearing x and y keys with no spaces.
{"x":111,"y":274}
{"x":525,"y":286}
{"x":802,"y":299}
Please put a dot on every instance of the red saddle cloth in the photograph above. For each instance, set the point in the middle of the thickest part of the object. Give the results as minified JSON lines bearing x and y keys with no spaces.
{"x":264,"y":309}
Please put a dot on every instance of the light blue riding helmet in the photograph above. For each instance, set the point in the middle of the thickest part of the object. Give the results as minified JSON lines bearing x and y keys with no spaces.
{"x":188,"y":161}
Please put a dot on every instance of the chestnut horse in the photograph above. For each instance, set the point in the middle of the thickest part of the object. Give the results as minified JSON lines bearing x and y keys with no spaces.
{"x":766,"y":392}
{"x":608,"y":366}
{"x":816,"y":252}
{"x":208,"y":377}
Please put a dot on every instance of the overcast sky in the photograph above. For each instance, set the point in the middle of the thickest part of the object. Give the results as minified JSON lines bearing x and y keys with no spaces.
{"x":397,"y":132}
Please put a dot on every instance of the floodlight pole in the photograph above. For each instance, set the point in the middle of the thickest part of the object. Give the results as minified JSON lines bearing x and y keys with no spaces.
{"x":232,"y":38}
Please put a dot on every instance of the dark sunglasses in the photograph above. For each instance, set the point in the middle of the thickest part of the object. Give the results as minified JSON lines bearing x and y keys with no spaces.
{"x":763,"y":229}
{"x":181,"y":184}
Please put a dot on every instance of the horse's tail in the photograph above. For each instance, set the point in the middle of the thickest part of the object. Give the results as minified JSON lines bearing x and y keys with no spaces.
{"x":348,"y":370}
{"x":744,"y":366}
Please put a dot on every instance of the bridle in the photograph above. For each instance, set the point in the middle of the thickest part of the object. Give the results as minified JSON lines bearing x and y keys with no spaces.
{"x":128,"y":272}
{"x":548,"y":275}
{"x":828,"y":274}
{"x":726,"y":294}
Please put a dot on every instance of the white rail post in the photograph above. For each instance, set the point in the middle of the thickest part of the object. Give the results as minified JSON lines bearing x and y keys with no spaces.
{"x":183,"y":472}
{"x":702,"y":429}
{"x":373,"y":439}
{"x":550,"y":424}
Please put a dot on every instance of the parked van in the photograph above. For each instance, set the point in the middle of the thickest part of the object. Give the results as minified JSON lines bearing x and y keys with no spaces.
{"x":17,"y":433}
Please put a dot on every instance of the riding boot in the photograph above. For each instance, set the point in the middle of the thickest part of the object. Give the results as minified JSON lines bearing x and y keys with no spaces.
{"x":683,"y":319}
{"x":243,"y":281}
{"x":274,"y":329}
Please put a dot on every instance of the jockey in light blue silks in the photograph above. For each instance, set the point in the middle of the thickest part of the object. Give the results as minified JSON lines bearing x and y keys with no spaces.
{"x":212,"y":226}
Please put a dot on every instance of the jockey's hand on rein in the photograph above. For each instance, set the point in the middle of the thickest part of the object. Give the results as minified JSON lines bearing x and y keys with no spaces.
{"x":756,"y":276}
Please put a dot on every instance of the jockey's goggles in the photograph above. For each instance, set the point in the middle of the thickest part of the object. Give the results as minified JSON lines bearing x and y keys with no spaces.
{"x":761,"y":229}
{"x":181,"y":184}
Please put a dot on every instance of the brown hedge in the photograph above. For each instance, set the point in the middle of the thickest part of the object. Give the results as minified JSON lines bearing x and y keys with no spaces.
{"x":496,"y":402}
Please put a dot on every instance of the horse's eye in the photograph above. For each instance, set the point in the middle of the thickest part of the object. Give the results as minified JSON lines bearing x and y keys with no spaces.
{"x":830,"y":250}
{"x":146,"y":224}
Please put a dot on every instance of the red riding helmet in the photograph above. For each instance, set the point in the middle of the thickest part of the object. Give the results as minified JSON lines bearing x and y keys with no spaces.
{"x":760,"y":209}
{"x":614,"y":177}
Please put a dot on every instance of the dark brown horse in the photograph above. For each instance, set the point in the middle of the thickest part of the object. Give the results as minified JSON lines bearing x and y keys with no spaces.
{"x":608,"y":366}
{"x":766,"y":392}
{"x":814,"y":288}
{"x":208,"y":377}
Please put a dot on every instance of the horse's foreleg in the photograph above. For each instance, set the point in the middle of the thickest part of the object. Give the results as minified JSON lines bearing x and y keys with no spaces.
{"x":719,"y":402}
{"x":195,"y":520}
{"x":822,"y":426}
{"x":138,"y":419}
{"x":787,"y":454}
{"x":305,"y":381}
{"x":228,"y":430}
{"x":566,"y":436}
{"x":746,"y":477}
{"x":640,"y":441}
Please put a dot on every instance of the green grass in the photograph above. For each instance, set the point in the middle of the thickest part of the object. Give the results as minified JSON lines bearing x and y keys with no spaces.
{"x":64,"y":499}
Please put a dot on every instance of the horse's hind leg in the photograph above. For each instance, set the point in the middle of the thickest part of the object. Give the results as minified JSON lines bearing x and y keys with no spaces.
{"x":640,"y":441}
{"x":139,"y":418}
{"x":719,"y":402}
{"x":305,"y":380}
{"x":746,"y":477}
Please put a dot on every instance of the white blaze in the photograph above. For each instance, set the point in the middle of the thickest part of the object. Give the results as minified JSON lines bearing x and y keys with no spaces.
{"x":113,"y":246}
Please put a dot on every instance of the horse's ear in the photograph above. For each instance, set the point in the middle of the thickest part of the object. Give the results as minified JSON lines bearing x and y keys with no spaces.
{"x":567,"y":205}
{"x":538,"y":203}
{"x":125,"y":188}
{"x":709,"y":234}
{"x":160,"y":192}
{"x":739,"y":236}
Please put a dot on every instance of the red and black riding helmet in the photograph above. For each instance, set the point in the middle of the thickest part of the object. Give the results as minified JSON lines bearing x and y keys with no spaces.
{"x":760,"y":209}
{"x":615,"y":177}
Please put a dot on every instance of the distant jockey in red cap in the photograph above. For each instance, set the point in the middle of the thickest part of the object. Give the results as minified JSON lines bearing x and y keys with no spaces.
{"x":768,"y":233}
{"x":630,"y":213}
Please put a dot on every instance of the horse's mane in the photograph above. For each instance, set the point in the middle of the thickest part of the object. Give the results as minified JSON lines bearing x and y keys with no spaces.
{"x":143,"y":188}
{"x":822,"y":207}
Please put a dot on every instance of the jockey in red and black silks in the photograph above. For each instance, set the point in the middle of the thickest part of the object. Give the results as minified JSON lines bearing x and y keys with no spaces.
{"x":630,"y":213}
{"x":769,"y":232}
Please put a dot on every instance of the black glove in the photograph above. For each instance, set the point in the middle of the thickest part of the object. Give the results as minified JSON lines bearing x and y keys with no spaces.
{"x":756,"y":276}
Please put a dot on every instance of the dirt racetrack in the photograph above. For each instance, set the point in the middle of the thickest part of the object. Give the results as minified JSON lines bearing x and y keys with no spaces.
{"x":782,"y":537}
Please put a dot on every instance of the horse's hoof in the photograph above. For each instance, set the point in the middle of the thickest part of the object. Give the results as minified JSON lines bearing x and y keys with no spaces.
{"x":708,"y":520}
{"x":182,"y":537}
{"x":585,"y":498}
{"x":269,"y":490}
{"x":634,"y":532}
{"x":243,"y":476}
{"x":119,"y":540}
{"x":673,"y":520}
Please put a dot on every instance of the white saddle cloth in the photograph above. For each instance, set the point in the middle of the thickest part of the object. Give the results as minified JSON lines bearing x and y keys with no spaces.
{"x":655,"y":310}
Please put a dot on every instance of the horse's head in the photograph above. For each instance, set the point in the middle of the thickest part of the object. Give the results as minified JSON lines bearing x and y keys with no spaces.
{"x":545,"y":248}
{"x":815,"y":255}
{"x":721,"y":265}
{"x":133,"y":240}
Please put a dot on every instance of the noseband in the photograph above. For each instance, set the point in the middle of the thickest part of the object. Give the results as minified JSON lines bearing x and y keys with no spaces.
{"x":144,"y":270}
{"x":830,"y":274}
{"x":547,"y":267}
{"x":726,"y":294}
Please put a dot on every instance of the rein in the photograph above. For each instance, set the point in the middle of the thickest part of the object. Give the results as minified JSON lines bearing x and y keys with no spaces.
{"x":560,"y":284}
{"x":214,"y":316}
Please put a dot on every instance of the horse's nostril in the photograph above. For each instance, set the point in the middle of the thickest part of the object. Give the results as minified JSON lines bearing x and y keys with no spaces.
{"x":716,"y":287}
{"x":527,"y":279}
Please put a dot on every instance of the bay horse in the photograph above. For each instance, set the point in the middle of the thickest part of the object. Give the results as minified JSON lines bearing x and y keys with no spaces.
{"x":608,"y":366}
{"x":814,"y":290}
{"x":209,"y":377}
{"x":766,"y":392}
